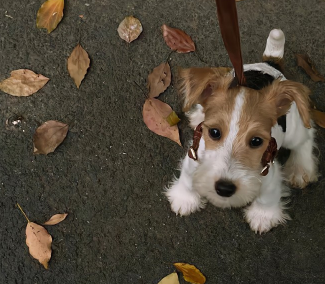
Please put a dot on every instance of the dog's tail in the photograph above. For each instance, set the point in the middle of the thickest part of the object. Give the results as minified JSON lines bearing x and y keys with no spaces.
{"x":273,"y":53}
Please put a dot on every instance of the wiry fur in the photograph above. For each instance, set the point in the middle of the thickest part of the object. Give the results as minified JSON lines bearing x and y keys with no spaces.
{"x":241,"y":113}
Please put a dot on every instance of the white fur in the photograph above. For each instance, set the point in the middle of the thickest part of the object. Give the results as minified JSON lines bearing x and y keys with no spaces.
{"x":275,"y":44}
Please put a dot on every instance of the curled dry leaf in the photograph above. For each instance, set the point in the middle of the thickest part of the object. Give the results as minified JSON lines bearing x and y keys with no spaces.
{"x":49,"y":136}
{"x":305,"y":63}
{"x":172,"y":118}
{"x":170,"y":279}
{"x":129,"y":29}
{"x":155,"y":113}
{"x":78,"y":63}
{"x":159,"y":80}
{"x":23,"y":83}
{"x":56,"y":219}
{"x":50,"y":15}
{"x":177,"y":40}
{"x":318,"y":117}
{"x":190,"y":273}
{"x":39,"y":242}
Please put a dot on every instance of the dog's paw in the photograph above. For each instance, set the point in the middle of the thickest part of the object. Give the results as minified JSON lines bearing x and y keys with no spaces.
{"x":300,"y":176}
{"x":262,"y":219}
{"x":183,"y":200}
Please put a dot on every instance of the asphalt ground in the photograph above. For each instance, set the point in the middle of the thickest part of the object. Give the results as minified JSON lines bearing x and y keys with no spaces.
{"x":110,"y":171}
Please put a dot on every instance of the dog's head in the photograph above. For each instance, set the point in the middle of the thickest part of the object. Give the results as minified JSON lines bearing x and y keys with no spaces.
{"x":236,"y":130}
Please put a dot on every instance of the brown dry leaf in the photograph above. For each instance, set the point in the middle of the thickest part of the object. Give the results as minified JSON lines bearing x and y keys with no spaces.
{"x":39,"y":242}
{"x":49,"y":136}
{"x":155,"y":113}
{"x":56,"y":219}
{"x":172,"y":118}
{"x":23,"y":83}
{"x":170,"y":279}
{"x":129,"y":29}
{"x":50,"y":15}
{"x":159,"y":80}
{"x":177,"y":40}
{"x":305,"y":63}
{"x":190,"y":273}
{"x":78,"y":63}
{"x":318,"y":117}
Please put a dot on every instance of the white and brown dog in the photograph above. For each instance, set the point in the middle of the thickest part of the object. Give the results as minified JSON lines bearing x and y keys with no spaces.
{"x":239,"y":125}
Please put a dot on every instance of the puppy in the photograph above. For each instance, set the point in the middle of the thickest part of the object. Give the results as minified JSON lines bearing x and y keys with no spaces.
{"x":238,"y":131}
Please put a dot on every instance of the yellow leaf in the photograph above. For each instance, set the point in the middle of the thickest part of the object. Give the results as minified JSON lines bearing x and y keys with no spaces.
{"x":39,"y":242}
{"x":78,"y":63}
{"x":170,"y":279}
{"x":190,"y":273}
{"x":23,"y":83}
{"x":49,"y":136}
{"x":173,"y":119}
{"x":50,"y":14}
{"x":56,"y":219}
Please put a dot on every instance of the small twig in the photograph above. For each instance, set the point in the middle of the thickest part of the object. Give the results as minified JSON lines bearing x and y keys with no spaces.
{"x":22,"y":211}
{"x":169,"y":54}
{"x":144,"y":93}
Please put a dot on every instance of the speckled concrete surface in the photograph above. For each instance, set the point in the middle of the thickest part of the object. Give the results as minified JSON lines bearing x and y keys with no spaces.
{"x":110,"y":172}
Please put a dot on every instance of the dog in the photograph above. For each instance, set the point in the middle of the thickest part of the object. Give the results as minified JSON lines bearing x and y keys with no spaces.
{"x":238,"y":130}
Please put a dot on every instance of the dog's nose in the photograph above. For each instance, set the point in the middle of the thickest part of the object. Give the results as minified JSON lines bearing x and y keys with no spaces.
{"x":225,"y":188}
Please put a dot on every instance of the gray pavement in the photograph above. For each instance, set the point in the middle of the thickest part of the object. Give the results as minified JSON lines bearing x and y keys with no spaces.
{"x":110,"y":172}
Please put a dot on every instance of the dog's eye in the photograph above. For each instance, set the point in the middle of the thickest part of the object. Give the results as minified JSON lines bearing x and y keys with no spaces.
{"x":256,"y":142}
{"x":215,"y":133}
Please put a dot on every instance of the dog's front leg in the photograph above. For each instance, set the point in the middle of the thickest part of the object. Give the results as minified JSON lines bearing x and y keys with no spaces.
{"x":266,"y":211}
{"x":183,"y":199}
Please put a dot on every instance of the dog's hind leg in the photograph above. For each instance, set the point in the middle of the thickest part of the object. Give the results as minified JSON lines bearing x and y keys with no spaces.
{"x":267,"y":210}
{"x":183,"y":199}
{"x":274,"y":50}
{"x":301,"y":166}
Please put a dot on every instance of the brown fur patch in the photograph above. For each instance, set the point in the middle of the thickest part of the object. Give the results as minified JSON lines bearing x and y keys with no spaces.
{"x":197,"y":84}
{"x":276,"y":60}
{"x":283,"y":93}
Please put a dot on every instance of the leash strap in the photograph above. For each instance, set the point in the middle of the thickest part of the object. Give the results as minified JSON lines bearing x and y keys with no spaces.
{"x":228,"y":23}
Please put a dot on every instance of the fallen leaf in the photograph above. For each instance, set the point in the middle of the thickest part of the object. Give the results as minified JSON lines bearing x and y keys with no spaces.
{"x":318,"y":117}
{"x":78,"y":63}
{"x":170,"y":279}
{"x":50,"y":15}
{"x":305,"y":63}
{"x":172,"y":118}
{"x":190,"y":273}
{"x":49,"y":136}
{"x":129,"y":29}
{"x":177,"y":40}
{"x":159,"y":80}
{"x":38,"y":240}
{"x":155,"y":113}
{"x":23,"y":83}
{"x":56,"y":219}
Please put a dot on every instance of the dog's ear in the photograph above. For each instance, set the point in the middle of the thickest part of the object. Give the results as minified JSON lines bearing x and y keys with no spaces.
{"x":283,"y":93}
{"x":197,"y":84}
